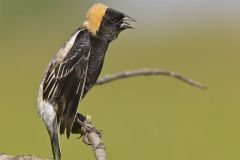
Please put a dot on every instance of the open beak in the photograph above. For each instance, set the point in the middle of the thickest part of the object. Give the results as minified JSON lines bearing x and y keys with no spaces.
{"x":126,"y":23}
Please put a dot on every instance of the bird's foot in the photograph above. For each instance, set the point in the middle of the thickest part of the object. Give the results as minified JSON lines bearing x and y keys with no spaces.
{"x":84,"y":126}
{"x":87,"y":128}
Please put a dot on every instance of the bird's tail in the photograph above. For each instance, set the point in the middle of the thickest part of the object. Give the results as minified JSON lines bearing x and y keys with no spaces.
{"x":53,"y":133}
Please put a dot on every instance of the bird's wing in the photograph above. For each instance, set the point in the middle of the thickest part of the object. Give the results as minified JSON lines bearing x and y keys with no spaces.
{"x":56,"y":77}
{"x":59,"y":71}
{"x":66,"y":76}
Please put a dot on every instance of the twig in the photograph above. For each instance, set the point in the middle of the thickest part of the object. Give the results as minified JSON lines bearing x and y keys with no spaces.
{"x":148,"y":72}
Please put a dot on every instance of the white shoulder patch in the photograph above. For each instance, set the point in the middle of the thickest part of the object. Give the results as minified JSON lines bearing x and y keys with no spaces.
{"x":67,"y":46}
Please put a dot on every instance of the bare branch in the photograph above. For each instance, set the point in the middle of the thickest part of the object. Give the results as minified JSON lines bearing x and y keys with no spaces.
{"x":98,"y":146}
{"x":21,"y":157}
{"x":148,"y":72}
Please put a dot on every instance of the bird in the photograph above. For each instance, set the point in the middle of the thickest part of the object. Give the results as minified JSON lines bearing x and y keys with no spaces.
{"x":75,"y":68}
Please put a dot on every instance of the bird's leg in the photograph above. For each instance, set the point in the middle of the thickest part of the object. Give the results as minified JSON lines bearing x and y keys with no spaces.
{"x":83,"y":126}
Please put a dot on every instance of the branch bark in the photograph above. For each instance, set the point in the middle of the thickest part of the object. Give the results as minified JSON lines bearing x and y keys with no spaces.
{"x":149,"y":72}
{"x":20,"y":157}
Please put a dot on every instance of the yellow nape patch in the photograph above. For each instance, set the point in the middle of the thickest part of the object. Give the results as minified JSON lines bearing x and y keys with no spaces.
{"x":95,"y":15}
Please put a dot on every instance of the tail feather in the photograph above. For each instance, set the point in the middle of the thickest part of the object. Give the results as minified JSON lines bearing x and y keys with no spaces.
{"x":55,"y":141}
{"x":49,"y":117}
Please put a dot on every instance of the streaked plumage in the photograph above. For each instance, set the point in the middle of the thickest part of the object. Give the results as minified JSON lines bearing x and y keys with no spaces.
{"x":75,"y":69}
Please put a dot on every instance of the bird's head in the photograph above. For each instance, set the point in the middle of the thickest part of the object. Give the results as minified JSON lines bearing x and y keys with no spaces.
{"x":106,"y":23}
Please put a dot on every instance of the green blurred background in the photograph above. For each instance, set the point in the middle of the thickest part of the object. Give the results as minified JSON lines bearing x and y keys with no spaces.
{"x":142,"y":118}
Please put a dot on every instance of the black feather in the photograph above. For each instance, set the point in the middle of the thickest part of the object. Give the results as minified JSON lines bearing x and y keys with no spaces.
{"x":55,"y":141}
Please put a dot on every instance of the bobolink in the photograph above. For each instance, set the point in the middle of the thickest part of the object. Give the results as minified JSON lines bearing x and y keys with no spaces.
{"x":75,"y":69}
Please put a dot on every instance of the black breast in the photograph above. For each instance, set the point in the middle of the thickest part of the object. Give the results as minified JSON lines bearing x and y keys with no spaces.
{"x":98,"y":50}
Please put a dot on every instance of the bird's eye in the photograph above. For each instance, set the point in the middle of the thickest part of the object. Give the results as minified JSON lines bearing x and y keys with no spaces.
{"x":112,"y":19}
